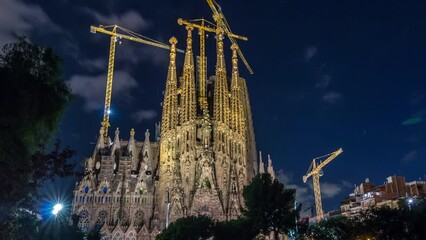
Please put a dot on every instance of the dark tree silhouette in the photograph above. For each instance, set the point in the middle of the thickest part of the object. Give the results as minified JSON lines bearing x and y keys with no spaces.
{"x":188,"y":228}
{"x":33,"y":98}
{"x":269,"y":205}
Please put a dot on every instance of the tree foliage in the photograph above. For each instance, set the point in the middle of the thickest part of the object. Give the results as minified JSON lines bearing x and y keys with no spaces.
{"x":189,"y":228}
{"x":375,"y":223}
{"x":237,"y":229}
{"x":332,"y":229}
{"x":33,"y":98}
{"x":269,"y":205}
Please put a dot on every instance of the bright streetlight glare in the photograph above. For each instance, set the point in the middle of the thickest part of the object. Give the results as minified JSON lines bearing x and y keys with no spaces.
{"x":58,"y":207}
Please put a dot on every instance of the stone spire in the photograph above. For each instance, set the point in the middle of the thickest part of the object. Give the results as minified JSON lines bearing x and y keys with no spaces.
{"x":237,"y":117}
{"x":261,"y":165}
{"x":100,"y":143}
{"x":221,"y":98}
{"x":131,"y":149}
{"x":271,"y":168}
{"x":169,"y":119}
{"x":146,"y":150}
{"x":116,"y":143}
{"x":188,"y":101}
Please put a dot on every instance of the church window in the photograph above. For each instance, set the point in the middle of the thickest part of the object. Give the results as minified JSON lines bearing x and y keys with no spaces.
{"x":121,"y":214}
{"x":146,"y":154}
{"x":139,"y":216}
{"x":86,"y":189}
{"x":105,"y":189}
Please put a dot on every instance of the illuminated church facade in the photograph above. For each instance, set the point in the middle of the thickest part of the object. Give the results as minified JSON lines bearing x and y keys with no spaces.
{"x":197,"y":162}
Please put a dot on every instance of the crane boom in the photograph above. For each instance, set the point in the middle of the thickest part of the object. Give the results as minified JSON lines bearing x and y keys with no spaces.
{"x":209,"y":29}
{"x":108,"y":89}
{"x":94,"y":29}
{"x":203,"y":61}
{"x":221,"y":22}
{"x":318,"y":168}
{"x":314,"y":171}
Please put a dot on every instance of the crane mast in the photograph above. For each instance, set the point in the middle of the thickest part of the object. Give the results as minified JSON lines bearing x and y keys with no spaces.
{"x":115,"y":36}
{"x":108,"y":89}
{"x":203,"y":67}
{"x":315,"y":170}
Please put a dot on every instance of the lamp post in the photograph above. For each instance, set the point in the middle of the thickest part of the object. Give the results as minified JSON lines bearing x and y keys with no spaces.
{"x":410,"y":202}
{"x":56,"y":209}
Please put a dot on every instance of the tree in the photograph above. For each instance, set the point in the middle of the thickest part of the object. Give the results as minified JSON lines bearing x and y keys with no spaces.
{"x":269,"y":206}
{"x":336,"y":228}
{"x":237,"y":229}
{"x":33,"y":98}
{"x":189,"y":228}
{"x":417,"y":218}
{"x":384,"y":223}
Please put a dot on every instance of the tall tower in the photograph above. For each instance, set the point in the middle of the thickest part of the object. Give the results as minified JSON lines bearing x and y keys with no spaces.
{"x":197,"y":164}
{"x":206,"y":157}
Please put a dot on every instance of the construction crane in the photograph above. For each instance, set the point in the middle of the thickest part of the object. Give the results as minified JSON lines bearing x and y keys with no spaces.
{"x":315,"y":170}
{"x":115,"y":37}
{"x":202,"y":28}
{"x":221,"y":22}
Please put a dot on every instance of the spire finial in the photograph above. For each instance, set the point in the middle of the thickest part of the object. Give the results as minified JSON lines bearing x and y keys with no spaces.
{"x":132,"y":132}
{"x":271,"y":168}
{"x":173,"y":41}
{"x":261,"y":165}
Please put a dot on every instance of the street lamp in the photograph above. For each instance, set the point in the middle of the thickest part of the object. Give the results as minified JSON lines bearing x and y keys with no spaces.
{"x":410,"y":202}
{"x":57,"y":208}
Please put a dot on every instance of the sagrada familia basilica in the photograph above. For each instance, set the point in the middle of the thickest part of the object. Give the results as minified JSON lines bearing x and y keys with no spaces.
{"x":197,"y":162}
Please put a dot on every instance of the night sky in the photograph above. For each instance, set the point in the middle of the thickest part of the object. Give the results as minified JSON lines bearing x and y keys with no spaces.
{"x":328,"y":74}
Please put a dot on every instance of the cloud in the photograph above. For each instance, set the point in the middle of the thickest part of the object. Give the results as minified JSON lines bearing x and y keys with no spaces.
{"x":331,"y":97}
{"x":304,"y":194}
{"x":130,"y":19}
{"x":94,"y":64}
{"x":410,"y":156}
{"x":143,"y":115}
{"x":309,"y":53}
{"x":323,"y":82}
{"x":92,"y":88}
{"x":415,"y":118}
{"x":19,"y":18}
{"x":330,"y":190}
{"x":136,"y":52}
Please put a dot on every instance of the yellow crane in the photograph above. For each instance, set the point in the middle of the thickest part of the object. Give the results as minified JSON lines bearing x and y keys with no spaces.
{"x":115,"y":37}
{"x":202,"y":28}
{"x":315,"y":170}
{"x":221,"y":22}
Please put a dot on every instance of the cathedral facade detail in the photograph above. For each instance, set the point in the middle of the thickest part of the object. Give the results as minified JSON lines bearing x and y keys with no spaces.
{"x":198,"y":162}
